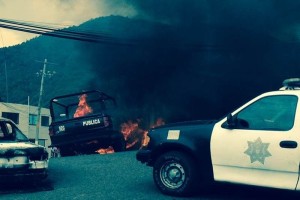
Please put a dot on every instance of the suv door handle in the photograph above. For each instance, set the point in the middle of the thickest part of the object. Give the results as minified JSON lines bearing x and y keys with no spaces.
{"x":288,"y":144}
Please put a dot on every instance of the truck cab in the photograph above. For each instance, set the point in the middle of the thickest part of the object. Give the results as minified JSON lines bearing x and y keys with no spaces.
{"x":82,"y":123}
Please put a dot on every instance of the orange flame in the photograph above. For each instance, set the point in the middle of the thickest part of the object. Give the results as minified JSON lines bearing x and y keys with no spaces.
{"x":110,"y":149}
{"x":159,"y":122}
{"x":134,"y":136}
{"x":83,"y":108}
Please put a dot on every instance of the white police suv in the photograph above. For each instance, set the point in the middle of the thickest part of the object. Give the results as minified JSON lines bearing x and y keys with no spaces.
{"x":257,"y":144}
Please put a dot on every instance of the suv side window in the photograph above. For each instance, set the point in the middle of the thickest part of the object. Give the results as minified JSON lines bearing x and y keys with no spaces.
{"x":15,"y":132}
{"x":270,"y":113}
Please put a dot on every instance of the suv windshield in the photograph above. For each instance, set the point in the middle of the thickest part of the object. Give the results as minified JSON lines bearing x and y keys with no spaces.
{"x":20,"y":136}
{"x":9,"y":131}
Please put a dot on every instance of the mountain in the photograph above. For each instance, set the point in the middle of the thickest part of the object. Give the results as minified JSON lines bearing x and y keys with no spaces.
{"x":80,"y":65}
{"x":153,"y":69}
{"x":68,"y":58}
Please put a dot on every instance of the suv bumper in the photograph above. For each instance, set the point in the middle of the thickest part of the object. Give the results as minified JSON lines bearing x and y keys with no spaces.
{"x":144,"y":156}
{"x":23,"y":175}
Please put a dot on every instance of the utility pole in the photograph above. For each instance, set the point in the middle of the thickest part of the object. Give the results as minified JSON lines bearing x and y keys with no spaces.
{"x":6,"y":87}
{"x":43,"y":73}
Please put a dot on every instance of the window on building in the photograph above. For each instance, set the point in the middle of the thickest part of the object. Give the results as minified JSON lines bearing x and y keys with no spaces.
{"x":13,"y":116}
{"x":45,"y":121}
{"x":42,"y":142}
{"x":32,"y":119}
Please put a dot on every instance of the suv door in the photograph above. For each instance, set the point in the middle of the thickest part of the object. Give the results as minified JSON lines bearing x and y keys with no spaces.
{"x":260,"y":147}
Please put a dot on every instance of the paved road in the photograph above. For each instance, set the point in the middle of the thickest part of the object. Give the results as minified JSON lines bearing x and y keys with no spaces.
{"x":116,"y":176}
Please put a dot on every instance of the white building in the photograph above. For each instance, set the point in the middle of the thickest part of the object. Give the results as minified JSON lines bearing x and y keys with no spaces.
{"x":25,"y":117}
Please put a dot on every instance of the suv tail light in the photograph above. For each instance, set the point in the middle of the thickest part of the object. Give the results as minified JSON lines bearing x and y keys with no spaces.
{"x":51,"y":132}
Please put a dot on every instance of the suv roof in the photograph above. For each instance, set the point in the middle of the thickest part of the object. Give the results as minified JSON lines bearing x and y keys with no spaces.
{"x":291,"y":84}
{"x":5,"y":119}
{"x":66,"y":100}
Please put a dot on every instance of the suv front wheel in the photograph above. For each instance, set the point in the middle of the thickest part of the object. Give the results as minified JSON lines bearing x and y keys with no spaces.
{"x":174,"y":173}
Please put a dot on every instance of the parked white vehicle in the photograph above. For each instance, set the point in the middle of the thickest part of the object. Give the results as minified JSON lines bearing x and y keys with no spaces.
{"x":20,"y":159}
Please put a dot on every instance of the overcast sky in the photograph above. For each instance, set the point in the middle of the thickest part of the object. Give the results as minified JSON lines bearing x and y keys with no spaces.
{"x":65,"y":12}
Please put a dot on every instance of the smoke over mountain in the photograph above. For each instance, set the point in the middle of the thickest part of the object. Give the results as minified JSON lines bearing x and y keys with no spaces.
{"x":176,"y":59}
{"x":196,"y":59}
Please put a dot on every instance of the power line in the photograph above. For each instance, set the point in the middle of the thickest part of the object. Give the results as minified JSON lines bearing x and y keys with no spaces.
{"x":66,"y":33}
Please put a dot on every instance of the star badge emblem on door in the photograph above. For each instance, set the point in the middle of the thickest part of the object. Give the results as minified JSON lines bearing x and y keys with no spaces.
{"x":258,"y":151}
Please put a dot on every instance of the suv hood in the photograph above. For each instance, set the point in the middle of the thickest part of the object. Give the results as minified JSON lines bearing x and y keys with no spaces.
{"x":11,"y":149}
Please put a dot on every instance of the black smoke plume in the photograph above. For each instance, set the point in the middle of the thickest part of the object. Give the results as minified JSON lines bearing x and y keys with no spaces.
{"x":196,"y":59}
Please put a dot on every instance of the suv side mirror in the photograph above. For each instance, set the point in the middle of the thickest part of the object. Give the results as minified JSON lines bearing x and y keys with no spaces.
{"x":231,"y":121}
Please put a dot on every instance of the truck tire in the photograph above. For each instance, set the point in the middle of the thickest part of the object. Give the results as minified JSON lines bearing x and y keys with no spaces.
{"x":119,"y":145}
{"x":66,"y":151}
{"x":174,"y":174}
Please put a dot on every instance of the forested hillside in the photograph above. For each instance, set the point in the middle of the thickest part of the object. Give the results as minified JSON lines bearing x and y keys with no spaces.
{"x":154,"y":69}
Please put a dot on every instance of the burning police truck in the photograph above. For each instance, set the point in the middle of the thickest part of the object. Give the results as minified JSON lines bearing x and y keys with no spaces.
{"x":82,"y":123}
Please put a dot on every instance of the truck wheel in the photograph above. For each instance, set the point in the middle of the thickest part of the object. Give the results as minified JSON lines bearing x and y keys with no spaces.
{"x":66,"y":151}
{"x":119,"y":145}
{"x":174,"y":174}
